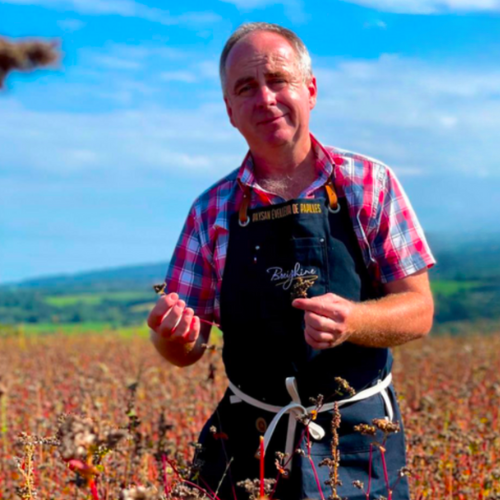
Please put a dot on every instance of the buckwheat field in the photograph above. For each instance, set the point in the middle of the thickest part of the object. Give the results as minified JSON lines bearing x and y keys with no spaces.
{"x":104,"y":417}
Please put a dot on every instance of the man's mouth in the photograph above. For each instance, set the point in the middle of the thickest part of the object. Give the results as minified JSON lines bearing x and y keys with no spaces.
{"x":270,"y":120}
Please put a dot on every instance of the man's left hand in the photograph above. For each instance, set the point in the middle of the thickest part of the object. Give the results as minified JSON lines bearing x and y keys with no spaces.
{"x":328,"y":320}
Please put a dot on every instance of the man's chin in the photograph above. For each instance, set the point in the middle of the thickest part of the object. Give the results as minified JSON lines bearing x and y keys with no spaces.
{"x":278,"y":138}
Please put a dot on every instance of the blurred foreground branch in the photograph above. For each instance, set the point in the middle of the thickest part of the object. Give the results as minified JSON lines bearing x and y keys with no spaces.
{"x":25,"y":56}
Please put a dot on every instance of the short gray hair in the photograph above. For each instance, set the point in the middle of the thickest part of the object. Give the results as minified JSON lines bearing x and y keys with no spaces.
{"x":303,"y":57}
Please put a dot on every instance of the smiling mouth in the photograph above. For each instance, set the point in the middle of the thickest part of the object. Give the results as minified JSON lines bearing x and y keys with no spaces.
{"x":271,"y":120}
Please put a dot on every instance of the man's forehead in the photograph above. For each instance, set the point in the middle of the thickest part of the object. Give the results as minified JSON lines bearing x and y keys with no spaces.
{"x":261,"y":47}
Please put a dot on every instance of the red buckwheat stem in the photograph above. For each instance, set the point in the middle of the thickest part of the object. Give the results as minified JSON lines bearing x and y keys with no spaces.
{"x":262,"y":466}
{"x":386,"y":474}
{"x":315,"y":472}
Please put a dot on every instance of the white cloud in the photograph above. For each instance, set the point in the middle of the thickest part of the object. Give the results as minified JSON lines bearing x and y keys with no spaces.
{"x":111,"y":62}
{"x":376,"y":24}
{"x":69,"y":144}
{"x":178,"y":76}
{"x":448,"y":121}
{"x":429,"y":6}
{"x":204,"y":70}
{"x":209,"y":69}
{"x":123,"y":56}
{"x":71,"y":25}
{"x":418,"y":117}
{"x":157,"y":59}
{"x":254,"y":4}
{"x":294,"y":9}
{"x":409,"y":112}
{"x":124,"y":8}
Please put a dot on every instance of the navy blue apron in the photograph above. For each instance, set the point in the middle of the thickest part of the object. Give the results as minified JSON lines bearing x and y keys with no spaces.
{"x":301,"y":240}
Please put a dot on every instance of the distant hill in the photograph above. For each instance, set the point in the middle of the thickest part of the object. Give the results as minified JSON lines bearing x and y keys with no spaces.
{"x":462,"y":257}
{"x":107,"y":280}
{"x":466,"y":286}
{"x":466,"y":257}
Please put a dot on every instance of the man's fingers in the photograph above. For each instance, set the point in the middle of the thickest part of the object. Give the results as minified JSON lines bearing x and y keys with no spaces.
{"x":171,"y":319}
{"x":315,"y":344}
{"x":320,"y":304}
{"x":321,"y":323}
{"x":194,"y":330}
{"x":319,"y":336}
{"x":184,"y":325}
{"x":164,"y":303}
{"x":188,"y":329}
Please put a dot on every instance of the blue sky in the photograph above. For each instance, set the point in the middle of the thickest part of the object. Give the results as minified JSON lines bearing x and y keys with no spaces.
{"x":101,"y":157}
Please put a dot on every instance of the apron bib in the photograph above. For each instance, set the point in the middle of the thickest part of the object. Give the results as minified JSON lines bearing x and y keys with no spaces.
{"x":274,"y":253}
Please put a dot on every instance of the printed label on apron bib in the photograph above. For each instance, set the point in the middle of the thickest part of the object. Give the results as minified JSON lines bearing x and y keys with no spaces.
{"x":290,"y":269}
{"x":285,"y":279}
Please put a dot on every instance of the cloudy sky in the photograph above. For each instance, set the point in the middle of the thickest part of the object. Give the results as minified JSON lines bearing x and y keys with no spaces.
{"x":101,"y":157}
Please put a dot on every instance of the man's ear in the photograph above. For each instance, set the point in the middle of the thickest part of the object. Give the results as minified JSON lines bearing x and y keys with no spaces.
{"x":229,"y":110}
{"x":313,"y":92}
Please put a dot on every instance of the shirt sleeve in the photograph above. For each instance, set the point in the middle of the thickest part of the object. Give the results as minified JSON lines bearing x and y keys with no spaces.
{"x":398,"y":243}
{"x":190,"y":274}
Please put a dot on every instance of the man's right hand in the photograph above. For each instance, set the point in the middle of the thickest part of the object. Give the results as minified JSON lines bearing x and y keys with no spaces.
{"x":172,"y":320}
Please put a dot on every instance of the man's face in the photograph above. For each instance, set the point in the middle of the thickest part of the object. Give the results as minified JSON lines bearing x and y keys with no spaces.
{"x":266,"y":97}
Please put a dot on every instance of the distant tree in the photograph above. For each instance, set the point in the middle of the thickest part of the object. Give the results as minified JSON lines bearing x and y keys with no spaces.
{"x":25,"y":56}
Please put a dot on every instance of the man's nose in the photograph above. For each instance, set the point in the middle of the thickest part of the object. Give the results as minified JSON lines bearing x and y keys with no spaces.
{"x":265,"y":96}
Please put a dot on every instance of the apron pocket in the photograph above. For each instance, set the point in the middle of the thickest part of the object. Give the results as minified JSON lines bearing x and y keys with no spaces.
{"x":284,"y":268}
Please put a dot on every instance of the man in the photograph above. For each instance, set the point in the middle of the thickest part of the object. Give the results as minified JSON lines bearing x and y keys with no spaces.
{"x":313,"y":262}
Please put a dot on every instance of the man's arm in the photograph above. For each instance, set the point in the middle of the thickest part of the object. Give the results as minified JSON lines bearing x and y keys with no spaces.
{"x":404,"y":314}
{"x":177,"y":334}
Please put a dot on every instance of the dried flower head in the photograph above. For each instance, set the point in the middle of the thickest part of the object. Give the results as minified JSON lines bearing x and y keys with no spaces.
{"x":404,"y":471}
{"x":386,"y":426}
{"x":77,"y":435}
{"x":253,"y":487}
{"x":344,"y":387}
{"x":300,"y":288}
{"x":358,"y":484}
{"x":139,"y":493}
{"x":365,"y":429}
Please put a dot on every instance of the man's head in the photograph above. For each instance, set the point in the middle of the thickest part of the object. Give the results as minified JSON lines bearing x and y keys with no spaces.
{"x":303,"y":57}
{"x":269,"y":89}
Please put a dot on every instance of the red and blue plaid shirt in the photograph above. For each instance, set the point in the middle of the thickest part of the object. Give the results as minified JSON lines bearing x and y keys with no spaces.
{"x":391,"y":239}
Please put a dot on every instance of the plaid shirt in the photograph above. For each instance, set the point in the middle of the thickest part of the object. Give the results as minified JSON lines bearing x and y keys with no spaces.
{"x":391,"y":239}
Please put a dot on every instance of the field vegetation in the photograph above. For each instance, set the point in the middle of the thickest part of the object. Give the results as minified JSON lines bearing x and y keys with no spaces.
{"x":88,"y":410}
{"x":102,"y":416}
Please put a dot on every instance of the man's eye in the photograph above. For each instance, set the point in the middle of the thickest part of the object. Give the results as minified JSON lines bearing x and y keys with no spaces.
{"x":244,"y":89}
{"x":278,"y":81}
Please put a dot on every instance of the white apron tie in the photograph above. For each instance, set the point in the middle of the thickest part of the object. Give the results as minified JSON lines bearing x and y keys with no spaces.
{"x":296,"y":410}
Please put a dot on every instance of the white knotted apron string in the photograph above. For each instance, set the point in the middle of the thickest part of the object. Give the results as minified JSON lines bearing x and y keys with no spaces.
{"x":388,"y":404}
{"x":296,"y":410}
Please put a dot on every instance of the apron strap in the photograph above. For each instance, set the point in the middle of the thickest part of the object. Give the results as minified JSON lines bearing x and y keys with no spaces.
{"x":244,"y":220}
{"x":333,"y":201}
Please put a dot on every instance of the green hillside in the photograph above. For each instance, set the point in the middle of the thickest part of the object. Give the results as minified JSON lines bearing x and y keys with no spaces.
{"x":465,"y":283}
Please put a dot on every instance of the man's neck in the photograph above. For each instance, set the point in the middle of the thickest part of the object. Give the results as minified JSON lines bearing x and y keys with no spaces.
{"x":284,"y":161}
{"x":286,"y":172}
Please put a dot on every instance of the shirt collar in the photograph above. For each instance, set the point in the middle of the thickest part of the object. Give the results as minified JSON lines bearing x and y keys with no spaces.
{"x":324,"y":167}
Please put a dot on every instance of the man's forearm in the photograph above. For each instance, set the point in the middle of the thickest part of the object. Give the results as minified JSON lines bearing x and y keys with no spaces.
{"x":392,"y":320}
